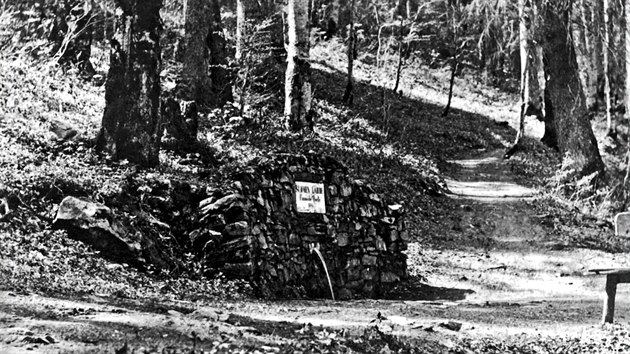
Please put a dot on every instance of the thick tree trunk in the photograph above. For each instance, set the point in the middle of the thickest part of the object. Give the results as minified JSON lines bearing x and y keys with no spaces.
{"x":550,"y":138}
{"x":314,"y":13}
{"x":195,"y":76}
{"x":131,"y":121}
{"x":333,"y":19}
{"x":219,"y":71}
{"x":297,"y":109}
{"x":576,"y":140}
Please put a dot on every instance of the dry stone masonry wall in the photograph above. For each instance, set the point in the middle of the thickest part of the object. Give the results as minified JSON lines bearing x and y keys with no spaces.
{"x":255,"y":230}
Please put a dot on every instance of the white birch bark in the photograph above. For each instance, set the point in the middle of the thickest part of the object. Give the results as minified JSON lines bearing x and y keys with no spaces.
{"x":240,"y":29}
{"x":297,"y":109}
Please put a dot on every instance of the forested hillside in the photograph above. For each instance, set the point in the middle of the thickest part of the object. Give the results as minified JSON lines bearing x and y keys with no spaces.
{"x":472,"y":155}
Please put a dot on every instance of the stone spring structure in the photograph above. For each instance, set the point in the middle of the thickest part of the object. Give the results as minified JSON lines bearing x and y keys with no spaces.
{"x":255,"y":229}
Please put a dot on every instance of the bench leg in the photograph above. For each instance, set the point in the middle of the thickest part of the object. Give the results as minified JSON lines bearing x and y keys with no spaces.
{"x":609,"y":300}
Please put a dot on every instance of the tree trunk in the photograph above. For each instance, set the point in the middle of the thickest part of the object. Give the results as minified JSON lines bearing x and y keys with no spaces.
{"x":241,"y":29}
{"x":314,"y":13}
{"x":454,"y":67}
{"x":195,"y":76}
{"x":532,"y":74}
{"x":524,"y":14}
{"x":606,"y":65}
{"x":588,"y":78}
{"x":219,"y":71}
{"x":333,"y":19}
{"x":401,"y":8}
{"x":348,"y":95}
{"x":400,"y":54}
{"x":131,"y":121}
{"x":297,"y":109}
{"x":596,"y":43}
{"x":550,"y":138}
{"x":617,"y":59}
{"x":593,"y":59}
{"x":576,"y":140}
{"x":627,"y":86}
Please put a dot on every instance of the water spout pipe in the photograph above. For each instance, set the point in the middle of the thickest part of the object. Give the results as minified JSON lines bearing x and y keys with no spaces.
{"x":315,"y":248}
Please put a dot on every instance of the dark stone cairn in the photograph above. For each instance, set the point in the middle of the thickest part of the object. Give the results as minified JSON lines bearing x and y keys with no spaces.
{"x":253,"y":230}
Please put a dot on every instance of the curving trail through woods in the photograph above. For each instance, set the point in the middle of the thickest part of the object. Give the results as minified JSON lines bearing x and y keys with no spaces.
{"x":486,"y":178}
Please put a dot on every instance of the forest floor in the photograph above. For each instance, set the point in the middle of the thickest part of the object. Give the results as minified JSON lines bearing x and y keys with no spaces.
{"x":498,"y":262}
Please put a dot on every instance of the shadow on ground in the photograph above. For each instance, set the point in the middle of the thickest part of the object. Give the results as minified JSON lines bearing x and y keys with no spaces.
{"x":416,"y":290}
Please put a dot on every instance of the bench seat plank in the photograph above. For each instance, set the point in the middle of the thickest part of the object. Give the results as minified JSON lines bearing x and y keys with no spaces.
{"x":606,"y":271}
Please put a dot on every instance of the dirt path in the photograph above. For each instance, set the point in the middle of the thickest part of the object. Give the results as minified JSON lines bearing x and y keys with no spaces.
{"x":486,"y":178}
{"x":523,"y":280}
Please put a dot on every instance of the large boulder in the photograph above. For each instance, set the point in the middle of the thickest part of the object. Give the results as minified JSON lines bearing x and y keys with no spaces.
{"x":95,"y":224}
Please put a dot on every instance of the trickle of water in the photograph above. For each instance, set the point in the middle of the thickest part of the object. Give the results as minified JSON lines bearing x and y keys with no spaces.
{"x":321,"y":258}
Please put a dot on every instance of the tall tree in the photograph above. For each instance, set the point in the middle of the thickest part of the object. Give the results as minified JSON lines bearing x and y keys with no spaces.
{"x":531,"y":73}
{"x":195,"y":76}
{"x":131,"y":121}
{"x":576,"y":140}
{"x":219,"y":71}
{"x":297,"y":109}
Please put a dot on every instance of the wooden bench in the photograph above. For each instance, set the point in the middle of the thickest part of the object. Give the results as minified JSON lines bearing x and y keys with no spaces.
{"x":614,"y":276}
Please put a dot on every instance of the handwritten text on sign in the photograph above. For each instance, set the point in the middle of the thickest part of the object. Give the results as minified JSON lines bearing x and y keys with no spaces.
{"x":309,"y":197}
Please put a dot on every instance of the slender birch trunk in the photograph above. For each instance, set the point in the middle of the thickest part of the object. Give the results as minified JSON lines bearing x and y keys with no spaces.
{"x":524,"y":51}
{"x":297,"y":109}
{"x":240,"y":30}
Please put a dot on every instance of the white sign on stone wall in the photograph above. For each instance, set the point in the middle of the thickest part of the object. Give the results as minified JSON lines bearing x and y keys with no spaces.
{"x":309,"y":197}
